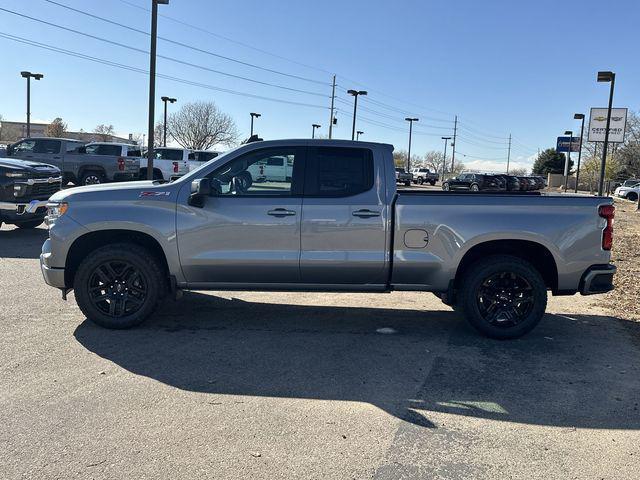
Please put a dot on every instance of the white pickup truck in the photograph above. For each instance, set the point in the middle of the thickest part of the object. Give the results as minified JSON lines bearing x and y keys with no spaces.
{"x":169,"y":163}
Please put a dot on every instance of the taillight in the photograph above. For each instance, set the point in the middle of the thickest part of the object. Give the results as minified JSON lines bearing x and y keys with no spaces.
{"x":607,"y":212}
{"x":121,"y":164}
{"x":175,"y":167}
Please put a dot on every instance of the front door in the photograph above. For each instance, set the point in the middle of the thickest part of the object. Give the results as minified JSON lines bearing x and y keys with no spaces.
{"x":250,"y":232}
{"x":344,"y":218}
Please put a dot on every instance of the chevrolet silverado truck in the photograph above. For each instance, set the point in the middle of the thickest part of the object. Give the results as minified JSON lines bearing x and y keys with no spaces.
{"x":337,"y":224}
{"x":168,"y":164}
{"x":25,"y":188}
{"x":71,"y":157}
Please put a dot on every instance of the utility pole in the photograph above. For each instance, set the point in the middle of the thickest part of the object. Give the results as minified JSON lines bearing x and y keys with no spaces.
{"x":444,"y":162}
{"x":455,"y":132}
{"x":164,"y":130}
{"x":508,"y":154}
{"x":152,"y":82}
{"x":253,"y":115}
{"x":606,"y":77}
{"x":410,"y":120}
{"x":333,"y":98}
{"x":579,"y":116}
{"x":29,"y":76}
{"x":355,"y":94}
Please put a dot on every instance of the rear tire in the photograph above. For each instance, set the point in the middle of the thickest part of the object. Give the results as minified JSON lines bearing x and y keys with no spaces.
{"x":633,"y":196}
{"x":503,"y":297}
{"x":118,"y":286}
{"x":432,"y":183}
{"x":92,"y":178}
{"x":474,"y":187}
{"x":446,"y":187}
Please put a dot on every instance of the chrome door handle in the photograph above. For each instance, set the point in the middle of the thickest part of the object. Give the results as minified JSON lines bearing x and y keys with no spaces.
{"x":365,"y":213}
{"x":281,"y":212}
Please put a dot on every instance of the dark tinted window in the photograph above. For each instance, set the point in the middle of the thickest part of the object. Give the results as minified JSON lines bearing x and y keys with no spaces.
{"x":168,"y":154}
{"x":134,"y":152}
{"x":339,"y":172}
{"x":47,"y":146}
{"x":206,"y":156}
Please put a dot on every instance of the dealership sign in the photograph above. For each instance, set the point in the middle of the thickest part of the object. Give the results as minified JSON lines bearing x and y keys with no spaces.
{"x":598,"y":125}
{"x":562,"y":145}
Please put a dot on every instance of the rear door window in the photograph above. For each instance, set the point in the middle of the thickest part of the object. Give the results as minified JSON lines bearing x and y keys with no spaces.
{"x":168,"y":154}
{"x":47,"y":146}
{"x":338,"y":172}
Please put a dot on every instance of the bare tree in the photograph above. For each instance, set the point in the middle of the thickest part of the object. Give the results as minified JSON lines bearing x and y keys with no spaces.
{"x":201,"y":125}
{"x":104,"y":132}
{"x":57,"y":128}
{"x":518,"y":172}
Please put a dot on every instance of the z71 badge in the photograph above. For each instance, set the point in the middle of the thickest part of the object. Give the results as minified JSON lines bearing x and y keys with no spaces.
{"x":154,"y":194}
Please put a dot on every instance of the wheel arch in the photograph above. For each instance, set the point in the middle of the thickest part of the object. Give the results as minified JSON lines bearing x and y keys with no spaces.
{"x":90,"y":241}
{"x":535,"y":253}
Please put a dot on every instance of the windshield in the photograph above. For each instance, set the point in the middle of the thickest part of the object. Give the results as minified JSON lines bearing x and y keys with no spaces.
{"x":194,"y":173}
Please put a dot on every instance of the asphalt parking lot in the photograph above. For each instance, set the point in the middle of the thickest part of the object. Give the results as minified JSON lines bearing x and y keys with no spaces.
{"x":311,"y":386}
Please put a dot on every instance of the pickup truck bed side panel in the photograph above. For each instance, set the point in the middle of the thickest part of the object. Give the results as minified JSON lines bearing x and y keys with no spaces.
{"x":456,"y":223}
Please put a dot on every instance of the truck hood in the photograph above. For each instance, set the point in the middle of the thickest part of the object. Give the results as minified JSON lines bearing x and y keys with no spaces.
{"x":34,"y":167}
{"x":105,"y":191}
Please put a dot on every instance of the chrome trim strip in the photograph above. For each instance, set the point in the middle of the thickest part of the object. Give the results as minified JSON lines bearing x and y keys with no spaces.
{"x":22,"y":208}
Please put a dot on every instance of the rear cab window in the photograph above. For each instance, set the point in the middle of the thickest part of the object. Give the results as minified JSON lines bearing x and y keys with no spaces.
{"x":338,"y":171}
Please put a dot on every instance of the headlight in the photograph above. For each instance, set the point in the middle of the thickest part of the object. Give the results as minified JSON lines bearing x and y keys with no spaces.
{"x":54,"y":211}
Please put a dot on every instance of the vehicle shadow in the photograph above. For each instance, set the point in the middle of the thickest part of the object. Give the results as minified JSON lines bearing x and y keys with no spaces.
{"x":21,"y":243}
{"x":569,"y":372}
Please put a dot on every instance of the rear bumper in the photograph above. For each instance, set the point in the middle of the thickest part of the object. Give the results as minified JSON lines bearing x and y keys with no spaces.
{"x":597,"y":279}
{"x":22,"y":208}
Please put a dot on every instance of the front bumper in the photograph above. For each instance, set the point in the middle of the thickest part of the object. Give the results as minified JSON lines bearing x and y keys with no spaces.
{"x":22,"y":208}
{"x":597,"y":279}
{"x":52,"y":276}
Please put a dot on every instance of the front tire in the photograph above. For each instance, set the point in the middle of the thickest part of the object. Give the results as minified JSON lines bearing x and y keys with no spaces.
{"x":503,"y":297}
{"x":633,"y":196}
{"x":475,"y":188}
{"x":446,"y":187}
{"x":118,"y":286}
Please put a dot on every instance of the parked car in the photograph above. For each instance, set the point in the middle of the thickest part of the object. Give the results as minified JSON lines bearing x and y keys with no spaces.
{"x":337,"y":224}
{"x":402,"y":176}
{"x":525,"y":184}
{"x":630,"y":192}
{"x":424,"y":175}
{"x":512,"y":184}
{"x":169,"y":163}
{"x":25,"y":188}
{"x":197,"y":158}
{"x":278,"y":168}
{"x":475,"y":182}
{"x":540,"y":182}
{"x":76,"y":166}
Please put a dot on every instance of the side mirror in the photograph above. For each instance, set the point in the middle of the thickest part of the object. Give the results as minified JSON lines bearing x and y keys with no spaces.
{"x":200,"y":190}
{"x":10,"y":149}
{"x":82,"y":149}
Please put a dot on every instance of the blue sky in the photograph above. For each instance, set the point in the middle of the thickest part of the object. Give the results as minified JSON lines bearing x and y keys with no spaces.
{"x":502,"y":66}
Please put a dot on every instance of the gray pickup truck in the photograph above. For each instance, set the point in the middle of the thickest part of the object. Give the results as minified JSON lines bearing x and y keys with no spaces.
{"x":337,"y":223}
{"x":76,"y":165}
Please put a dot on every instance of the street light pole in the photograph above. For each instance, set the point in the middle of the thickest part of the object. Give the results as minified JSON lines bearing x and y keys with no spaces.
{"x":29,"y":76}
{"x":567,"y":160}
{"x":606,"y":77}
{"x":444,"y":162}
{"x":410,"y":120}
{"x":165,"y":100}
{"x":355,"y":94}
{"x":313,"y":129}
{"x":579,"y":116}
{"x":358,"y":133}
{"x":253,"y":115}
{"x":152,"y":83}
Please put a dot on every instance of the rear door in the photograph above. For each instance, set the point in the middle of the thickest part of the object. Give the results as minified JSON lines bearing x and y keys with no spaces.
{"x":344,"y":218}
{"x":250,"y":233}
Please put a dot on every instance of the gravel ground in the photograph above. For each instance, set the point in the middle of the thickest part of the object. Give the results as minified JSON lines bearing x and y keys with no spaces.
{"x":624,"y":301}
{"x":229,"y":385}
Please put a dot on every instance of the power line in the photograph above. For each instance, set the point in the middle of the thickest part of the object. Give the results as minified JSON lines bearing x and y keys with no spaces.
{"x":231,"y":40}
{"x":146,"y":72}
{"x":122,"y":45}
{"x":191,"y":47}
